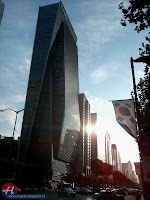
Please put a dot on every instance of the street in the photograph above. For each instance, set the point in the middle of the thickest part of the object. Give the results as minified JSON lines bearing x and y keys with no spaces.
{"x":52,"y":195}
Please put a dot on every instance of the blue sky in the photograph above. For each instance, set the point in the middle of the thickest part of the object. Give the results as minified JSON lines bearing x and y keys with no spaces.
{"x":104,"y":51}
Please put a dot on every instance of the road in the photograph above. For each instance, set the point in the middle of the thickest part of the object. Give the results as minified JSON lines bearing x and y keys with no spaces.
{"x":52,"y":195}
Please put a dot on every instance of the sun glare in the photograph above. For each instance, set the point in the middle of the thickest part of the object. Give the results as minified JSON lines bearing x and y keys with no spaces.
{"x":91,"y":128}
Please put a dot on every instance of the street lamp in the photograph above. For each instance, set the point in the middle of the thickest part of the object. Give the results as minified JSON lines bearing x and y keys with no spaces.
{"x":146,"y":185}
{"x":17,"y":112}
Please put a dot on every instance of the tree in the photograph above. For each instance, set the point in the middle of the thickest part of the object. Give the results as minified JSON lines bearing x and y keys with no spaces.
{"x":138,"y":13}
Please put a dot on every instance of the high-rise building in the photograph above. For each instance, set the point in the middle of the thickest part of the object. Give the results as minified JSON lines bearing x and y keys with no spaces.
{"x":114,"y":157}
{"x":51,"y":121}
{"x":2,"y":6}
{"x":119,"y":162}
{"x":107,"y":149}
{"x":84,"y":150}
{"x":93,"y":137}
{"x":127,"y":170}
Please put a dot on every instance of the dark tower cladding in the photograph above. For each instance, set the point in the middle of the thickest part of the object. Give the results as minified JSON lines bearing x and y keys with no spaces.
{"x":2,"y":6}
{"x":51,"y":121}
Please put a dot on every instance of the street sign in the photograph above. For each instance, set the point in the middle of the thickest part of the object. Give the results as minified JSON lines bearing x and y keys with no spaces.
{"x":144,"y":143}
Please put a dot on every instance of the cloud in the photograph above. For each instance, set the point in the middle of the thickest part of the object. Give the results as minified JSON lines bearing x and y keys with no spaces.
{"x":19,"y":98}
{"x":25,"y":67}
{"x":99,"y":75}
{"x":96,"y":28}
{"x":7,"y":115}
{"x":105,"y":71}
{"x":140,"y":74}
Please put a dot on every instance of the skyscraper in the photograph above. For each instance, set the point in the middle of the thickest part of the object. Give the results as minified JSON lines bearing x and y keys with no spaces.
{"x":114,"y":154}
{"x":51,"y":121}
{"x":2,"y":6}
{"x":93,"y":137}
{"x":84,"y":148}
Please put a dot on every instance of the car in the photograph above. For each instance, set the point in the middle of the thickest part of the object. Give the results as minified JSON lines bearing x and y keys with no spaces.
{"x":106,"y":195}
{"x":120,"y":191}
{"x":44,"y":189}
{"x":68,"y":192}
{"x":85,"y":191}
{"x":132,"y":191}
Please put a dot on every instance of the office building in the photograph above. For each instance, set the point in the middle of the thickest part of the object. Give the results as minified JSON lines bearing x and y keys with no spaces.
{"x":114,"y":157}
{"x":93,"y":136}
{"x":84,"y":146}
{"x":2,"y":6}
{"x":51,"y":121}
{"x":107,"y":149}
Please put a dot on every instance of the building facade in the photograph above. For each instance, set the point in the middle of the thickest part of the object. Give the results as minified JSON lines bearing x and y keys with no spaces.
{"x":114,"y":157}
{"x":51,"y":121}
{"x":2,"y":6}
{"x":107,"y":148}
{"x":84,"y":150}
{"x":94,"y":155}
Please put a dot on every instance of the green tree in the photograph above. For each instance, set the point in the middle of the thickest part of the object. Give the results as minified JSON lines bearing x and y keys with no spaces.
{"x":138,"y":12}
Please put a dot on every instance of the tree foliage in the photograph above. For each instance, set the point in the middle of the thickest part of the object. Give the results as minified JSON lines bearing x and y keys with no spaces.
{"x":101,"y":169}
{"x":138,"y":12}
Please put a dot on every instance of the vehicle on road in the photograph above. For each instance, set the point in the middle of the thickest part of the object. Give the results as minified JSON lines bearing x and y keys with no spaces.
{"x":119,"y":191}
{"x":68,"y":192}
{"x":85,"y":191}
{"x":106,"y":195}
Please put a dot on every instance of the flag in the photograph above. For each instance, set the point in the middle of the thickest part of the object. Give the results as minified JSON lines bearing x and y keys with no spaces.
{"x":125,"y":115}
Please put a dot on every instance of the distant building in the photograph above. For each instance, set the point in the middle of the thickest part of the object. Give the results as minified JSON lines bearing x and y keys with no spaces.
{"x":2,"y":6}
{"x":114,"y":157}
{"x":107,"y":149}
{"x":127,"y":170}
{"x":85,"y":135}
{"x":94,"y":155}
{"x":119,"y":163}
{"x":51,"y":122}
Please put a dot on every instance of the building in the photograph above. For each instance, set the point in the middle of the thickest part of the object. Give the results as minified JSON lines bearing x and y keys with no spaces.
{"x":51,"y":121}
{"x":2,"y":6}
{"x":114,"y":154}
{"x":119,"y":162}
{"x":84,"y":150}
{"x":127,"y":170}
{"x":94,"y":155}
{"x":107,"y":148}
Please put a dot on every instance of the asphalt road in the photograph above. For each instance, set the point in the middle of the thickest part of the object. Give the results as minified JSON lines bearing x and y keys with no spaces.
{"x":52,"y":195}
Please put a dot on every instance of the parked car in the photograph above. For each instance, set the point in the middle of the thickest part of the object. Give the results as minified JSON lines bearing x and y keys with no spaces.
{"x":68,"y":192}
{"x":120,"y":191}
{"x":106,"y":195}
{"x":85,"y":191}
{"x":132,"y":191}
{"x":44,"y":189}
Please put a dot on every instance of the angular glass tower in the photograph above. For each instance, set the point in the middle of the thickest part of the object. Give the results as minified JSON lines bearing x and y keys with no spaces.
{"x":51,"y":122}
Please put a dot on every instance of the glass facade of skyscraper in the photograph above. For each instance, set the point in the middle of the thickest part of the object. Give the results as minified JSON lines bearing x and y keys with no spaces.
{"x":51,"y":121}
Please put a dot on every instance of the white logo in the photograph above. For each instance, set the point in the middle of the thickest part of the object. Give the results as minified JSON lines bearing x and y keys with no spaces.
{"x":9,"y":190}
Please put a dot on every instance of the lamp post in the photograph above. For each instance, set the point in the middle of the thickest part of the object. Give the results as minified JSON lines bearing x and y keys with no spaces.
{"x":146,"y":185}
{"x":17,"y":112}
